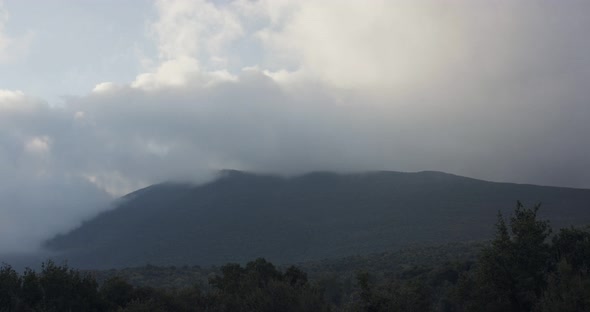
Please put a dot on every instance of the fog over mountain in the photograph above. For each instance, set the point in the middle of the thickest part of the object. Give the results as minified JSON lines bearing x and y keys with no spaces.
{"x":240,"y":216}
{"x":487,"y":90}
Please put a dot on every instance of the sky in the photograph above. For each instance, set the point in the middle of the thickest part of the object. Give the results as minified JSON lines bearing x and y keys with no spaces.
{"x":100,"y":98}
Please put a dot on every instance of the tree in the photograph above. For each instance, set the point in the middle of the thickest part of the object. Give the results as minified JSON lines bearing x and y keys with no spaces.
{"x":117,"y":291}
{"x":567,"y":290}
{"x":32,"y":293}
{"x":510,"y":275}
{"x":10,"y":284}
{"x":573,"y":245}
{"x":65,"y":289}
{"x":260,"y":286}
{"x":569,"y":285}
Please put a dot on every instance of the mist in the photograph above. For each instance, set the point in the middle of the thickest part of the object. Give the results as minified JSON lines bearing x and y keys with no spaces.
{"x":491,"y":91}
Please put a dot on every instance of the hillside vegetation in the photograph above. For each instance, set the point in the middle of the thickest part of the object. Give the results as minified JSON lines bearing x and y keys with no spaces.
{"x":242,"y":216}
{"x":524,"y":268}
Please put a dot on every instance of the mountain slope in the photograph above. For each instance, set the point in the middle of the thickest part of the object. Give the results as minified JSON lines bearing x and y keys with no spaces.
{"x":241,"y":216}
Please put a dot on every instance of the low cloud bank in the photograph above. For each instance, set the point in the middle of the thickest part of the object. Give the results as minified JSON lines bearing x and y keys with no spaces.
{"x":492,"y":91}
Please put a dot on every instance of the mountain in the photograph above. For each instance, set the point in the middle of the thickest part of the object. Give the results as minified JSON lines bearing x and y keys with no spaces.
{"x":241,"y":216}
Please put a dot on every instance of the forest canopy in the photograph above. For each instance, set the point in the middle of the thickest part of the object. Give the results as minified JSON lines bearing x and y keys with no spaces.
{"x":525,"y":267}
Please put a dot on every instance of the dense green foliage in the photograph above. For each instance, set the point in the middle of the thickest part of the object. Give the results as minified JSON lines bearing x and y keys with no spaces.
{"x":328,"y":271}
{"x":519,"y":271}
{"x":242,"y":216}
{"x":258,"y":286}
{"x":55,"y":288}
{"x":524,"y":268}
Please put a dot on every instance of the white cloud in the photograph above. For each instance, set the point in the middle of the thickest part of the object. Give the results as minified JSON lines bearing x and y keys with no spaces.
{"x":105,"y":87}
{"x":354,"y":44}
{"x":16,"y":104}
{"x":193,"y":28}
{"x":347,"y":44}
{"x":38,"y":145}
{"x":10,"y":99}
{"x":114,"y":183}
{"x":192,"y":38}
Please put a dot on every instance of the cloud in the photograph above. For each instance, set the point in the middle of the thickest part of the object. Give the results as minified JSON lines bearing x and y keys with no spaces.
{"x":38,"y":145}
{"x":37,"y":197}
{"x":193,"y":28}
{"x":489,"y":90}
{"x":11,"y":48}
{"x":11,"y":100}
{"x":191,"y":38}
{"x":354,"y":45}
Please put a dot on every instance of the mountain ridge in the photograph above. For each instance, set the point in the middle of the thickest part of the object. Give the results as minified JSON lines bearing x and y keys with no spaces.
{"x":240,"y":216}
